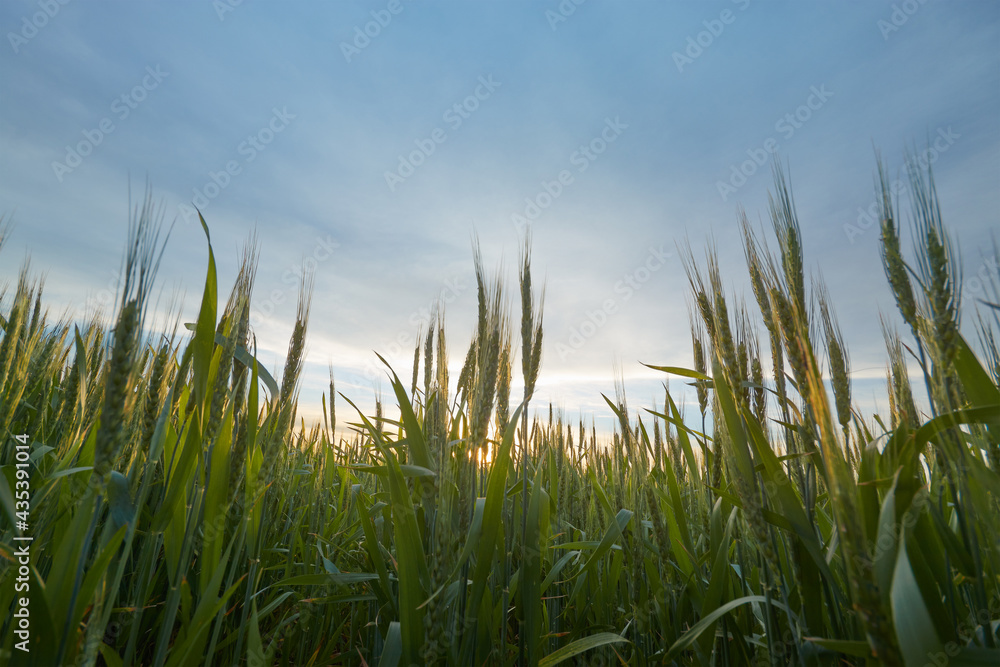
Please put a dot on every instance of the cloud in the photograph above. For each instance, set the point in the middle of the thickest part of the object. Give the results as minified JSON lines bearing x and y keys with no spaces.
{"x":322,"y":179}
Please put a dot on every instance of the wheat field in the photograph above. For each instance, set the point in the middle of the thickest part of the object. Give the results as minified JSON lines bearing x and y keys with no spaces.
{"x":180,"y":512}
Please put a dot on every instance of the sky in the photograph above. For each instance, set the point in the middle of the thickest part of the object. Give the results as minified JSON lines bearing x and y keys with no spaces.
{"x":370,"y":143}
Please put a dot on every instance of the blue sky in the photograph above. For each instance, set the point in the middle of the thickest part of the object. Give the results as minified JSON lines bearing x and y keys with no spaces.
{"x":372,"y":159}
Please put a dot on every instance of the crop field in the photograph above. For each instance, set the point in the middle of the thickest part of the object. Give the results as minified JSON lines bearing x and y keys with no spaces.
{"x":163,"y":503}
